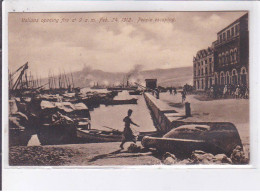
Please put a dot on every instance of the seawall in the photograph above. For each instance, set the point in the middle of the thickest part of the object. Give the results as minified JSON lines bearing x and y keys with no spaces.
{"x":165,"y":116}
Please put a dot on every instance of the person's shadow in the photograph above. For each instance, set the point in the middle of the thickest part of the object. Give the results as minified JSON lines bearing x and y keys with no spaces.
{"x":106,"y":155}
{"x":120,"y":151}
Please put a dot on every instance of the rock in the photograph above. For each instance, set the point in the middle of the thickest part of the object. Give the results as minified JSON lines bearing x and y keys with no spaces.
{"x":133,"y":148}
{"x":238,"y":156}
{"x":222,"y":159}
{"x":185,"y":161}
{"x":169,"y":159}
{"x":200,"y":157}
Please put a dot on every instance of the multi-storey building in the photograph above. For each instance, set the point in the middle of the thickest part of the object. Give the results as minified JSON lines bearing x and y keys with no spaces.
{"x":203,"y":66}
{"x":227,"y":61}
{"x":232,"y":54}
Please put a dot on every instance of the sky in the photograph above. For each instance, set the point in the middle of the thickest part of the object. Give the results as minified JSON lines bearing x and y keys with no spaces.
{"x":66,"y":42}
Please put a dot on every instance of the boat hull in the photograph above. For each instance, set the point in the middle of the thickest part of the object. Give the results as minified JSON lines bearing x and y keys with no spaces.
{"x":121,"y":102}
{"x":182,"y":148}
{"x":97,"y":136}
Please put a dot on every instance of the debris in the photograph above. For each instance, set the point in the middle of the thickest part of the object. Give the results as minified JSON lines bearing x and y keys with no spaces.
{"x":200,"y":157}
{"x":238,"y":156}
{"x":185,"y":161}
{"x":133,"y":148}
{"x":169,"y":159}
{"x":222,"y":159}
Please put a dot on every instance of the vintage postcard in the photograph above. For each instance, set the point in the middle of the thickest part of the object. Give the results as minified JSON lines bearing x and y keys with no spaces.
{"x":128,"y":88}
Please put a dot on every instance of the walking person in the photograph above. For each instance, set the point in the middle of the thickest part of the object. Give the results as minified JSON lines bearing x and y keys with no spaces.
{"x":175,"y":91}
{"x":225,"y":91}
{"x":170,"y":90}
{"x":183,"y":96}
{"x":128,"y":133}
{"x":237,"y":92}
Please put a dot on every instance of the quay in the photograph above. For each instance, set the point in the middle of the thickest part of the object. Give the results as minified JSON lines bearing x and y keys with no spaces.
{"x":168,"y":110}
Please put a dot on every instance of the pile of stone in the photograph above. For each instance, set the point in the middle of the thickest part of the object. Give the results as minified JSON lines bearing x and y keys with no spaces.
{"x":201,"y":157}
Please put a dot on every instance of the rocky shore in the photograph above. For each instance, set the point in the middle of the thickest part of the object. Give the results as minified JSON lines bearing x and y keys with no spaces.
{"x":109,"y":154}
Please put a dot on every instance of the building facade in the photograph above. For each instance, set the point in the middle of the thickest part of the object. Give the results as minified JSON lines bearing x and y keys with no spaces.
{"x":232,"y":54}
{"x":203,"y":66}
{"x":230,"y":58}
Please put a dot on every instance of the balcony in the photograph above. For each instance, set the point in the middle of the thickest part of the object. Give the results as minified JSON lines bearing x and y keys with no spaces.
{"x":227,"y":40}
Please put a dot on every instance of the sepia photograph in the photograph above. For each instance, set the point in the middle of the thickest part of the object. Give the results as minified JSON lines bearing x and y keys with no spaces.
{"x":128,"y":88}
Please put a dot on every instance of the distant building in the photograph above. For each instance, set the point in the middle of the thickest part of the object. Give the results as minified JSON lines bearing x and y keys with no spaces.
{"x":232,"y":54}
{"x":151,"y":83}
{"x":226,"y":62}
{"x":203,"y":67}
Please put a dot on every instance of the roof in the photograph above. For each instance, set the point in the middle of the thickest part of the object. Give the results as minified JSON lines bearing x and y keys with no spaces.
{"x":238,"y":20}
{"x":204,"y":52}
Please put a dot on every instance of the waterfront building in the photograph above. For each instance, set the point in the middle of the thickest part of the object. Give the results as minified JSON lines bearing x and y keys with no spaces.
{"x":226,"y":62}
{"x":203,"y":66}
{"x":232,"y":54}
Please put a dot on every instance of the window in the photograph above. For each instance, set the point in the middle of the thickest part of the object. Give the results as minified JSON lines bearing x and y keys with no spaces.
{"x":206,"y":61}
{"x":228,"y":34}
{"x":235,"y":55}
{"x":195,"y":73}
{"x":231,"y":56}
{"x":227,"y":58}
{"x":224,"y":36}
{"x":199,"y":72}
{"x":232,"y":31}
{"x":206,"y":71}
{"x":220,"y":37}
{"x":210,"y":59}
{"x":236,"y":29}
{"x":210,"y":66}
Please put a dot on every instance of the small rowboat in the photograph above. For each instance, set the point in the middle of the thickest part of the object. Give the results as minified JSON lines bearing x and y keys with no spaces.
{"x":96,"y":136}
{"x":136,"y":92}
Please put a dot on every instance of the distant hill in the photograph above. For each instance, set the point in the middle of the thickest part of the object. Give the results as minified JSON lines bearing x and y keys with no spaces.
{"x":170,"y":77}
{"x":165,"y":77}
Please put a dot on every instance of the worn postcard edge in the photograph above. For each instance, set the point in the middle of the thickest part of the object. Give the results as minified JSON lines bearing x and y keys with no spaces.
{"x":12,"y":7}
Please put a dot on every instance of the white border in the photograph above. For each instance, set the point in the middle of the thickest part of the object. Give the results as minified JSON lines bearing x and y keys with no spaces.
{"x":137,"y":177}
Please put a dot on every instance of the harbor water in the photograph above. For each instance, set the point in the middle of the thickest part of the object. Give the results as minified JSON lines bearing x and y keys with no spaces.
{"x":111,"y":117}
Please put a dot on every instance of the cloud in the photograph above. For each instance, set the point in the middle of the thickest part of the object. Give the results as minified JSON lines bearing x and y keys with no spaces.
{"x":112,"y":46}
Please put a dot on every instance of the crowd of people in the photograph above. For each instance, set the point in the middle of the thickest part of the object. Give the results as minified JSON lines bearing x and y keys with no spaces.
{"x":235,"y":91}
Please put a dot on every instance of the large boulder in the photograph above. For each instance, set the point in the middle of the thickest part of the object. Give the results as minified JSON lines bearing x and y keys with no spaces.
{"x":222,"y":136}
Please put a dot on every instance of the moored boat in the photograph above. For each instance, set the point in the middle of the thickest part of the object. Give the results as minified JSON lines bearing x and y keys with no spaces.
{"x":120,"y":102}
{"x":96,"y":136}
